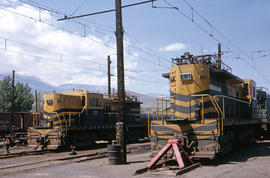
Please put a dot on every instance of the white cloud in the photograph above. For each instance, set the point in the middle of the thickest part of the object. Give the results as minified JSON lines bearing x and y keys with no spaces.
{"x":83,"y":61}
{"x":173,"y":47}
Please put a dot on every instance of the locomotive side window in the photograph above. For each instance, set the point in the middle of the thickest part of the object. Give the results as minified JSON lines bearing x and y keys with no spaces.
{"x":49,"y":101}
{"x":94,"y":102}
{"x":245,"y":89}
{"x":186,"y":76}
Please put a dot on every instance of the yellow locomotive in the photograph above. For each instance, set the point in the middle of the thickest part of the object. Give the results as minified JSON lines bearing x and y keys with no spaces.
{"x":210,"y":108}
{"x":80,"y":118}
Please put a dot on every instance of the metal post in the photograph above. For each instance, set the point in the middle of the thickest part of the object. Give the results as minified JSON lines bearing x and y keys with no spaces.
{"x":219,"y":56}
{"x":12,"y":102}
{"x":166,"y":105}
{"x":120,"y":74}
{"x":162,"y":110}
{"x":219,"y":50}
{"x":36,"y":100}
{"x":109,"y":76}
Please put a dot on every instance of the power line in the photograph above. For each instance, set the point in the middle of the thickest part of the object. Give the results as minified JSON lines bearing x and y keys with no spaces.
{"x":60,"y":54}
{"x":137,"y":79}
{"x":57,"y":15}
{"x":128,"y":34}
{"x":36,"y":20}
{"x":105,"y":11}
{"x":69,"y":31}
{"x":50,"y":59}
{"x":213,"y":26}
{"x":46,"y":50}
{"x":81,"y":4}
{"x":135,"y":47}
{"x":212,"y":36}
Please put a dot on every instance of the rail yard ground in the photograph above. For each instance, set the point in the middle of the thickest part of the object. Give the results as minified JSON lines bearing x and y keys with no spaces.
{"x":252,"y":160}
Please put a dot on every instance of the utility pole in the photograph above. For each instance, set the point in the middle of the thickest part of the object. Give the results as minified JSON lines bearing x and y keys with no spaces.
{"x":12,"y":102}
{"x":120,"y":76}
{"x":36,"y":100}
{"x":219,"y":56}
{"x":109,"y":76}
{"x":219,"y":50}
{"x":120,"y":68}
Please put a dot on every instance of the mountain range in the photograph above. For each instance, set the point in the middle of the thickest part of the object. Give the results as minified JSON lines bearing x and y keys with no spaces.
{"x":43,"y":87}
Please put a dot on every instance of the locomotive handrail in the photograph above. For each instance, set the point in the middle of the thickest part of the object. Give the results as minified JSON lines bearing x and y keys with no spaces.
{"x":231,"y":98}
{"x":216,"y":106}
{"x":35,"y":118}
{"x":223,"y":103}
{"x":55,"y":113}
{"x":65,"y":121}
{"x":163,"y":98}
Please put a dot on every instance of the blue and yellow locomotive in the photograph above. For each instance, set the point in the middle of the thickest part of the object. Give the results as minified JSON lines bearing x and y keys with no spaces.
{"x":80,"y":118}
{"x":210,"y":108}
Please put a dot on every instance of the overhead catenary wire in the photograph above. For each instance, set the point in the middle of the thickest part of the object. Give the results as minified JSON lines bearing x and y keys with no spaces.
{"x":61,"y":55}
{"x":80,"y":5}
{"x":72,"y":32}
{"x":38,"y":20}
{"x":104,"y":72}
{"x":215,"y":38}
{"x":46,"y":50}
{"x":152,"y":53}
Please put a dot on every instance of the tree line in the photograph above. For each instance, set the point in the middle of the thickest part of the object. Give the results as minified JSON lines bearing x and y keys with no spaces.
{"x":23,"y":98}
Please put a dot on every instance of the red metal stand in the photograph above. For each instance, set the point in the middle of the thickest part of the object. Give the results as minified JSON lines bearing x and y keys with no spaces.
{"x":176,"y":147}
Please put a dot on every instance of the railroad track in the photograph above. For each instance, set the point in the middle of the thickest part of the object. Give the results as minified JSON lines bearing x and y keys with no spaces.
{"x":23,"y":153}
{"x":52,"y":162}
{"x":30,"y":166}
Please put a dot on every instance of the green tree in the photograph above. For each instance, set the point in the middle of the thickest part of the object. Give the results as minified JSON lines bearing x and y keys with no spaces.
{"x":23,"y":99}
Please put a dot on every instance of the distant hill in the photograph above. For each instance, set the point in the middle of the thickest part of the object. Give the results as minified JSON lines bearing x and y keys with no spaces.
{"x":43,"y":87}
{"x":34,"y":82}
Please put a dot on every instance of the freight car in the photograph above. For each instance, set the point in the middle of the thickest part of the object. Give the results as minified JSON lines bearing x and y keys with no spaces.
{"x":21,"y":121}
{"x":210,"y":108}
{"x":80,"y":118}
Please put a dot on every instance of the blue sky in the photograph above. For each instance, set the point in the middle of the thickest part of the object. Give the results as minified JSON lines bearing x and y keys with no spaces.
{"x":153,"y":36}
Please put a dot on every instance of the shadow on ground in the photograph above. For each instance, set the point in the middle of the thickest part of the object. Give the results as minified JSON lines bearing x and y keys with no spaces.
{"x":242,"y":153}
